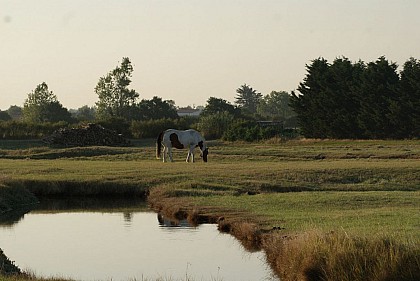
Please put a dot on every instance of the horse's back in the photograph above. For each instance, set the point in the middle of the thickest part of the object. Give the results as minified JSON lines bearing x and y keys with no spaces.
{"x":181,"y":138}
{"x":181,"y":132}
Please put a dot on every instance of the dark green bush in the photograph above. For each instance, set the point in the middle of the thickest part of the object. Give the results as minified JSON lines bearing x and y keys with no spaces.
{"x":249,"y":131}
{"x":152,"y":128}
{"x":28,"y":130}
{"x":213,"y":126}
{"x":117,"y":124}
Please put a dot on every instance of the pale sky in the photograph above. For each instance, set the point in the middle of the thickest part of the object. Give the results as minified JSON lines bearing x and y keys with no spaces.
{"x":190,"y":50}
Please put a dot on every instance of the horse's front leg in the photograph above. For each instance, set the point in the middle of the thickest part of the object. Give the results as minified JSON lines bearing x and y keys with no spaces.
{"x":190,"y":154}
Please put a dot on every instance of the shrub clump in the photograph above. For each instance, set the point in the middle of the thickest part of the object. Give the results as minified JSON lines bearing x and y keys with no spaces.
{"x":250,"y":131}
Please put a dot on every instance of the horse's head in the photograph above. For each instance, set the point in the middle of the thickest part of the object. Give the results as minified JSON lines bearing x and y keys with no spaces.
{"x":205,"y":153}
{"x":204,"y":150}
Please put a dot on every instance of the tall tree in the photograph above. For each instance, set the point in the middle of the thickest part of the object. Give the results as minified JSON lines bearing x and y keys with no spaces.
{"x":308,"y":104}
{"x":340,"y":101}
{"x":328,"y":104}
{"x":247,"y":99}
{"x":378,"y":96}
{"x":345,"y":100}
{"x":156,"y":108}
{"x":410,"y":92}
{"x":15,"y":112}
{"x":218,"y":105}
{"x":115,"y":99}
{"x":42,"y":106}
{"x":85,"y":113}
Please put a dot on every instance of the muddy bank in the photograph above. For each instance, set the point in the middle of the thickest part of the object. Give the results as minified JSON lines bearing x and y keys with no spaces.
{"x":242,"y":227}
{"x":16,"y":193}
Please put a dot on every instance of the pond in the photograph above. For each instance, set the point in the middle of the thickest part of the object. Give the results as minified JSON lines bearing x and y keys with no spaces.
{"x":88,"y":242}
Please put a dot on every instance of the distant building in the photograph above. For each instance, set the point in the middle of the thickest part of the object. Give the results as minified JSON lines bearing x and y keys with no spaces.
{"x":189,"y":111}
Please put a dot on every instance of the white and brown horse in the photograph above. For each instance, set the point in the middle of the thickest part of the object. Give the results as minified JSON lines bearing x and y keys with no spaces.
{"x":189,"y":139}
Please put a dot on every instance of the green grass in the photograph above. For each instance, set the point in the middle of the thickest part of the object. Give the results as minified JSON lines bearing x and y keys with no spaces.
{"x":365,"y":189}
{"x":294,"y":187}
{"x":371,"y":213}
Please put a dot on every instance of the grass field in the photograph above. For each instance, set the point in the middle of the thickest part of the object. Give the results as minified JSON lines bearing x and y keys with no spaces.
{"x":365,"y":190}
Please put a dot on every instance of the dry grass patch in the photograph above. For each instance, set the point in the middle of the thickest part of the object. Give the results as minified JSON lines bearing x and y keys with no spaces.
{"x":337,"y":256}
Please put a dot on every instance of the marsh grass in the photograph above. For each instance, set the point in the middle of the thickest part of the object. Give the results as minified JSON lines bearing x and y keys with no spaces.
{"x":315,"y":255}
{"x":355,"y":194}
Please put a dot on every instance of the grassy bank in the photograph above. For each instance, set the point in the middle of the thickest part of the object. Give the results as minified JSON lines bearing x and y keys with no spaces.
{"x":14,"y":197}
{"x":287,"y":197}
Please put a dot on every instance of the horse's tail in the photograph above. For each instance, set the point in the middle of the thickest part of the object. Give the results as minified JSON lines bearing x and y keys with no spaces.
{"x":159,"y":145}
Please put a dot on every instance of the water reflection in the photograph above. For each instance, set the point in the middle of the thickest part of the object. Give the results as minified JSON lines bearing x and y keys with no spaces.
{"x":165,"y":222}
{"x":90,"y":204}
{"x":128,"y":218}
{"x":121,"y":243}
{"x":56,"y":205}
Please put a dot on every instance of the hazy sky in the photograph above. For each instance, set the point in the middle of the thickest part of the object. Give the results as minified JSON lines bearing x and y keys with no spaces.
{"x":190,"y":50}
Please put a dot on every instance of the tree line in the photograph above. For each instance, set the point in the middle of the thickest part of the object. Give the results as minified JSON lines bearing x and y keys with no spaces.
{"x":359,"y":100}
{"x":118,"y":108}
{"x":338,"y":100}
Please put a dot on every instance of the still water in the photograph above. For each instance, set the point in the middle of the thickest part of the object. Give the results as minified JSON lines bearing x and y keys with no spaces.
{"x":97,"y":244}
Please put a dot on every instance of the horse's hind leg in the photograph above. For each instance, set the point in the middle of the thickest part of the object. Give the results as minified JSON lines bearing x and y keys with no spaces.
{"x":170,"y":154}
{"x":190,"y":155}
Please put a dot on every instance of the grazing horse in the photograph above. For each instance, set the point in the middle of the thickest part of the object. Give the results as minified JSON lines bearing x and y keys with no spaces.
{"x":188,"y":139}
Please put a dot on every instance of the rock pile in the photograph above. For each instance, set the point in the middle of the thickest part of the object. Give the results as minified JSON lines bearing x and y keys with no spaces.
{"x":91,"y":134}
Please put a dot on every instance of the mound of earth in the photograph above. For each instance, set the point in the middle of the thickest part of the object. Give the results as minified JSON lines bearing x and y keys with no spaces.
{"x":89,"y":135}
